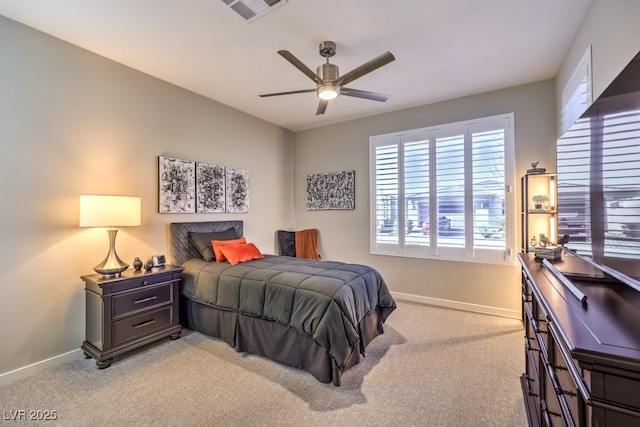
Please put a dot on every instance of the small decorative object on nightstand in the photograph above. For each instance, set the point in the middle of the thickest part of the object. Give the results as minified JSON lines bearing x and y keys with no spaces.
{"x":159,"y":260}
{"x":137,"y":263}
{"x":129,"y":311}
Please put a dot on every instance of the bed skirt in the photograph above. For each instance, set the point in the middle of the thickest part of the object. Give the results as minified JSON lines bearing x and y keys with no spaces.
{"x":272,"y":340}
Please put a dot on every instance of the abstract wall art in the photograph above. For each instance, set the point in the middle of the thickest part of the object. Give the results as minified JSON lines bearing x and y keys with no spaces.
{"x":189,"y":187}
{"x":177,"y":192}
{"x":333,"y":190}
{"x":210,"y":188}
{"x":237,"y":189}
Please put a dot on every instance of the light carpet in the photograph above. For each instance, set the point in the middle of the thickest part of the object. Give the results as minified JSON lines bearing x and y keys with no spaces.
{"x":433,"y":367}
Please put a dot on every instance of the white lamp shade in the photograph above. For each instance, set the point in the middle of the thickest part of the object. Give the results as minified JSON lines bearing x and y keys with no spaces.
{"x":110,"y":211}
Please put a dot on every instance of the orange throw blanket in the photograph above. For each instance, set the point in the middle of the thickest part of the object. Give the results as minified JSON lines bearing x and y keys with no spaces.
{"x":307,"y":244}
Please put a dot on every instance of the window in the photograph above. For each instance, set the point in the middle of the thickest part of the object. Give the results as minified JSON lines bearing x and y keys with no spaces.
{"x":599,"y":181}
{"x":576,"y":96}
{"x":445,"y":191}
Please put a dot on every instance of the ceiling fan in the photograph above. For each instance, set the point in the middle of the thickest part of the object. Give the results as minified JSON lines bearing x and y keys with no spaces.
{"x":329,"y":84}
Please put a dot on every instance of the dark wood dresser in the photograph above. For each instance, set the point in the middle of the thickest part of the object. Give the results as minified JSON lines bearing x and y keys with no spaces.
{"x":127,"y":312}
{"x":582,"y":345}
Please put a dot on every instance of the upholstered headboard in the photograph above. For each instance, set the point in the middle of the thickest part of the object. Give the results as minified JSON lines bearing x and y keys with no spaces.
{"x":181,"y":248}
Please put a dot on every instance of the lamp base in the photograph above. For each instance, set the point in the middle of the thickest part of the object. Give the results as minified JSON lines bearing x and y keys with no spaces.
{"x":112,"y":265}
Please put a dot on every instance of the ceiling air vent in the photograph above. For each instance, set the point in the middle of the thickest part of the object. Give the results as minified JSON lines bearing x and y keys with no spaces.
{"x":250,"y":10}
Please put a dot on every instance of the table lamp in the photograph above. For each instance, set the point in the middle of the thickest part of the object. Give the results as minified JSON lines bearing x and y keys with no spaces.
{"x":111,"y":212}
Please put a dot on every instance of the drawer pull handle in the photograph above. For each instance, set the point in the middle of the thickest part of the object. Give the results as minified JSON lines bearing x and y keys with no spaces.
{"x":555,"y":383}
{"x":526,"y":344}
{"x":554,"y":380}
{"x":575,"y":374}
{"x":534,"y":321}
{"x":547,"y":416}
{"x":548,"y":413}
{"x":140,"y":301}
{"x":143,"y":324}
{"x":145,"y":283}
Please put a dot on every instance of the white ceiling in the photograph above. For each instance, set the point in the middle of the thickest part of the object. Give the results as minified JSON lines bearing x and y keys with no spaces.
{"x":444,"y":49}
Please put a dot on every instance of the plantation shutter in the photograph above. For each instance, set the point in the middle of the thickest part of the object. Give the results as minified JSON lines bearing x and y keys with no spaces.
{"x":576,"y":96}
{"x":599,"y":182}
{"x":489,"y":186}
{"x":385,"y":168}
{"x":450,"y":187}
{"x":416,"y":189}
{"x":621,"y":183}
{"x":442,"y":191}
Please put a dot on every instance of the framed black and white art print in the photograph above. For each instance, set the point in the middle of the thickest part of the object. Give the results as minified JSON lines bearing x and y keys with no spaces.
{"x":333,"y":190}
{"x":237,"y":189}
{"x":177,"y":190}
{"x":210,"y":188}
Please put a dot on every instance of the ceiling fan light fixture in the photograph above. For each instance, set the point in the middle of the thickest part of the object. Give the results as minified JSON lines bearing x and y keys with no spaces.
{"x":329,"y":84}
{"x":328,"y":91}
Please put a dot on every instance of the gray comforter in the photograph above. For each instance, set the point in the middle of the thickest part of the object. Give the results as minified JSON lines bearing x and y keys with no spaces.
{"x":323,"y":299}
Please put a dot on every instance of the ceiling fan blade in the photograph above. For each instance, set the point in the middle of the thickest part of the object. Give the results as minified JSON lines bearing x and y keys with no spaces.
{"x":364,"y":94}
{"x":322,"y":107}
{"x":288,"y":93}
{"x":366,"y":68}
{"x":299,"y":65}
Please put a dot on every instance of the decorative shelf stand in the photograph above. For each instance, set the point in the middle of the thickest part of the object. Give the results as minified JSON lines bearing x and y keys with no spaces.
{"x":538,"y":209}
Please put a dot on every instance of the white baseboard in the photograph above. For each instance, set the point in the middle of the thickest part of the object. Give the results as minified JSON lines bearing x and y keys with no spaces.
{"x":484,"y":309}
{"x":25,"y":371}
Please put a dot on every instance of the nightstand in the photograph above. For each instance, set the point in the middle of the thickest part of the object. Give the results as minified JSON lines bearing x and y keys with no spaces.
{"x":130,"y":311}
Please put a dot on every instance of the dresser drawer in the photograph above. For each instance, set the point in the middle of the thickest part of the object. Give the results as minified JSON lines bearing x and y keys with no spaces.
{"x":553,"y":404}
{"x":146,"y":297}
{"x":142,"y":324}
{"x":531,"y":328}
{"x":566,"y":383}
{"x":541,"y":326}
{"x":531,"y":372}
{"x":526,"y":288}
{"x":623,"y":390}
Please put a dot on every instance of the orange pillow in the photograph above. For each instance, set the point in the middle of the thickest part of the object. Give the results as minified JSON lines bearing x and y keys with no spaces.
{"x":241,"y":252}
{"x":217,"y":244}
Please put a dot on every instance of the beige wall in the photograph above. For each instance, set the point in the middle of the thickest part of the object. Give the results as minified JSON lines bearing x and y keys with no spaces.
{"x":611,"y":28}
{"x":344,"y":234}
{"x":73,"y":123}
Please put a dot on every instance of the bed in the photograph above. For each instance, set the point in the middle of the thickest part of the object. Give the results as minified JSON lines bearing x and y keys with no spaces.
{"x":318,"y":316}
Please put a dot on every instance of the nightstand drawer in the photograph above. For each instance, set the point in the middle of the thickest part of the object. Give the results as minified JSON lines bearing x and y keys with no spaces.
{"x":138,"y":280}
{"x":131,"y":302}
{"x":142,"y":324}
